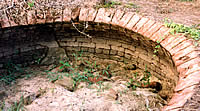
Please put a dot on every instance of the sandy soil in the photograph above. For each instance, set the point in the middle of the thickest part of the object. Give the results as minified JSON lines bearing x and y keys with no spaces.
{"x":39,"y":94}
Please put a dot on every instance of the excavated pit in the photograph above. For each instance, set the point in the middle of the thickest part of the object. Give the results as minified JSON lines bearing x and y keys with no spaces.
{"x":47,"y":44}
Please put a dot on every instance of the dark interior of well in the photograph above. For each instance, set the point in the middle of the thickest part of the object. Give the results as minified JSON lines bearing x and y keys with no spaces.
{"x":126,"y":53}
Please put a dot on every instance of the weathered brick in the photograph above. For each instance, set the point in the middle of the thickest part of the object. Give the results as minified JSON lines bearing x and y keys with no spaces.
{"x":121,"y":54}
{"x":99,"y":41}
{"x":113,"y":42}
{"x":106,"y":51}
{"x":91,"y":45}
{"x":4,"y":21}
{"x":31,"y":17}
{"x":187,"y":64}
{"x":193,"y":68}
{"x":152,"y":30}
{"x":127,"y":51}
{"x":180,"y":46}
{"x":99,"y":51}
{"x":104,"y":15}
{"x":146,"y":27}
{"x":103,"y":46}
{"x":67,"y":15}
{"x":83,"y":14}
{"x":175,"y":42}
{"x":125,"y":19}
{"x":128,"y":56}
{"x":188,"y":81}
{"x":180,"y":98}
{"x":117,"y":17}
{"x":191,"y":55}
{"x":113,"y":52}
{"x":161,"y":34}
{"x":180,"y":54}
{"x":91,"y":14}
{"x":140,"y":24}
{"x":133,"y":22}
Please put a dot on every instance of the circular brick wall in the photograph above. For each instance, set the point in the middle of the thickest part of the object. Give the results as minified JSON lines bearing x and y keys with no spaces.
{"x":116,"y":35}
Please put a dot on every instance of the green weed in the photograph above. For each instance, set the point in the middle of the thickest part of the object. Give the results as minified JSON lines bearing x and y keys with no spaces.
{"x":13,"y":72}
{"x":131,"y":5}
{"x":16,"y":106}
{"x":134,"y":82}
{"x":191,"y":32}
{"x":110,"y":4}
{"x":80,"y":70}
{"x":31,"y":4}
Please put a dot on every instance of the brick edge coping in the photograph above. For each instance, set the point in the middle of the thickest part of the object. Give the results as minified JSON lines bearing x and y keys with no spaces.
{"x":184,"y":54}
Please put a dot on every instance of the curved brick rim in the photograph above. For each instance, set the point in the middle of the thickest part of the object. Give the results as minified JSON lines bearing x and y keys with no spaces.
{"x":184,"y":54}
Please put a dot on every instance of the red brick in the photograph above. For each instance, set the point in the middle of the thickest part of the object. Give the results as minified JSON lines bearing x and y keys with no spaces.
{"x":91,"y":14}
{"x":140,"y":24}
{"x":31,"y":17}
{"x":190,"y":80}
{"x":67,"y":15}
{"x":83,"y":14}
{"x":116,"y":18}
{"x":191,"y":55}
{"x":193,"y":68}
{"x":178,"y":96}
{"x":146,"y":27}
{"x":23,"y":18}
{"x":132,"y":22}
{"x":174,"y":42}
{"x":187,"y":64}
{"x":58,"y":17}
{"x":179,"y":99}
{"x":12,"y":23}
{"x":161,"y":34}
{"x":181,"y":46}
{"x":4,"y":21}
{"x":125,"y":19}
{"x":104,"y":15}
{"x":180,"y":54}
{"x":75,"y":13}
{"x":152,"y":30}
{"x":167,"y":40}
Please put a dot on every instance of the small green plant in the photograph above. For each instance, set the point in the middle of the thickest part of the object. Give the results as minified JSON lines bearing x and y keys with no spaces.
{"x":16,"y":106}
{"x":110,"y":4}
{"x":13,"y":72}
{"x":131,"y":5}
{"x":134,"y":82}
{"x":156,"y":48}
{"x":81,"y":70}
{"x":146,"y":79}
{"x":31,"y":4}
{"x":191,"y":32}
